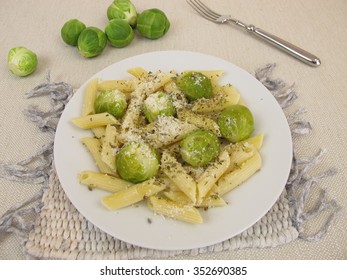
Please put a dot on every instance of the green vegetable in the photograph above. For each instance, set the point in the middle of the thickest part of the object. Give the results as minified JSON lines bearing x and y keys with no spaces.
{"x":158,"y":104}
{"x":153,"y":23}
{"x":71,"y":30}
{"x":21,"y":61}
{"x":91,"y":42}
{"x":123,"y":9}
{"x":137,"y":162}
{"x":236,"y":123}
{"x":199,"y":147}
{"x":119,"y":33}
{"x":195,"y":85}
{"x":111,"y":101}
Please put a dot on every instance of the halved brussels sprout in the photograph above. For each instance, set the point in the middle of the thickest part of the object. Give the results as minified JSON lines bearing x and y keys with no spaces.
{"x":21,"y":61}
{"x":111,"y":101}
{"x":195,"y":85}
{"x":119,"y":33}
{"x":91,"y":42}
{"x":158,"y":104}
{"x":152,"y":23}
{"x":123,"y":9}
{"x":137,"y":162}
{"x":236,"y":123}
{"x":199,"y":147}
{"x":71,"y":30}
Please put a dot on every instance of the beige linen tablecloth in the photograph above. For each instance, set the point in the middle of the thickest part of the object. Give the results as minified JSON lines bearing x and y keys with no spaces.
{"x":317,"y":26}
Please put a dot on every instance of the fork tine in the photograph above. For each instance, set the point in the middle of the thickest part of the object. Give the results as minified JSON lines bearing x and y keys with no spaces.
{"x":203,"y":10}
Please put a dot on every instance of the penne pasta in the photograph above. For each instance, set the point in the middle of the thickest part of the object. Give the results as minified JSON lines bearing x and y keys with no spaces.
{"x":94,"y":147}
{"x":174,"y":210}
{"x":109,"y":146}
{"x":102,"y":181}
{"x":90,"y":94}
{"x":211,"y":175}
{"x":99,"y":132}
{"x":212,"y":200}
{"x":125,"y":86}
{"x":131,"y":195}
{"x":95,"y":120}
{"x":199,"y":121}
{"x":256,"y":141}
{"x":224,"y":97}
{"x":166,"y":131}
{"x":178,"y":175}
{"x":239,"y":175}
{"x":138,"y":72}
{"x":239,"y":153}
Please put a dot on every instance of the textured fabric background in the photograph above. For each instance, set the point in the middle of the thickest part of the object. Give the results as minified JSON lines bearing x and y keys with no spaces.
{"x":318,"y":26}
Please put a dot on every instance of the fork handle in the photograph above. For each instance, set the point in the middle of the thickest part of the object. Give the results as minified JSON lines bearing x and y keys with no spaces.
{"x":285,"y":46}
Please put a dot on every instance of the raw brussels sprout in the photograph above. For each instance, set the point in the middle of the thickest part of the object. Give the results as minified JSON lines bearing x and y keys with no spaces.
{"x":91,"y":42}
{"x":111,"y":101}
{"x":136,"y":162}
{"x":236,"y":123}
{"x":119,"y":33}
{"x":158,"y":104}
{"x":71,"y":30}
{"x":21,"y":61}
{"x":195,"y":85}
{"x":199,"y":147}
{"x":152,"y":23}
{"x":123,"y":9}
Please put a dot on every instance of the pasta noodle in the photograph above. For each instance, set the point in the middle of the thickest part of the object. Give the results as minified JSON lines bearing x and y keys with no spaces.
{"x":102,"y":181}
{"x":131,"y":195}
{"x":95,"y":120}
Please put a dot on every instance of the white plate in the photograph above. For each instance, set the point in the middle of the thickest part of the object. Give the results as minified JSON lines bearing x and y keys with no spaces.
{"x":247,"y":204}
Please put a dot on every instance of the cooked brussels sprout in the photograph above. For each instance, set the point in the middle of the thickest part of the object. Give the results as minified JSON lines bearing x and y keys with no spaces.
{"x":236,"y":123}
{"x":153,"y":23}
{"x":119,"y":33}
{"x":137,"y":162}
{"x":71,"y":30}
{"x":21,"y":61}
{"x":158,"y":104}
{"x":199,"y":147}
{"x":91,"y":42}
{"x":123,"y":9}
{"x":195,"y":85}
{"x":111,"y":101}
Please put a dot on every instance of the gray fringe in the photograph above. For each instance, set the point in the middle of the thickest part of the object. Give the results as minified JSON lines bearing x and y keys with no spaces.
{"x":300,"y":183}
{"x":20,"y":218}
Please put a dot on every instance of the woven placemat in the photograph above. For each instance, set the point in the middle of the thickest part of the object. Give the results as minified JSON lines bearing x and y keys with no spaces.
{"x":62,"y":232}
{"x":57,"y":230}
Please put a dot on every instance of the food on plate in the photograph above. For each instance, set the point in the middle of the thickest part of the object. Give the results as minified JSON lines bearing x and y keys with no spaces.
{"x":195,"y":85}
{"x":152,"y":23}
{"x":236,"y":123}
{"x":170,"y":150}
{"x":158,"y":104}
{"x":91,"y":42}
{"x":21,"y":61}
{"x":137,"y":162}
{"x":199,"y":147}
{"x":71,"y":30}
{"x":111,"y":101}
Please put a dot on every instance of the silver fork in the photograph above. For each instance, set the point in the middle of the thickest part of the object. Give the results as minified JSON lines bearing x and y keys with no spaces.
{"x":291,"y":49}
